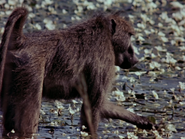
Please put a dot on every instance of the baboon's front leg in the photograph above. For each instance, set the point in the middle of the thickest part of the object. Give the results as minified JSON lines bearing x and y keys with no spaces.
{"x":110,"y":110}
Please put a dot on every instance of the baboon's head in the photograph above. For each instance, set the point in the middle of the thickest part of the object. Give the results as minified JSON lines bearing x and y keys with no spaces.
{"x":124,"y":52}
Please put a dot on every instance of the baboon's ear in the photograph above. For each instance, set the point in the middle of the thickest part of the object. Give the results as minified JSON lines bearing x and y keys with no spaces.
{"x":113,"y":26}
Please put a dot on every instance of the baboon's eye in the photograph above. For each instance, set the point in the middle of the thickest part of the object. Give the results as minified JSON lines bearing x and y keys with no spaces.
{"x":130,"y":50}
{"x":130,"y":34}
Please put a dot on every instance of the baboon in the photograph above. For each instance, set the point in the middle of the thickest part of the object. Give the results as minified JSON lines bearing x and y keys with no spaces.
{"x":48,"y":64}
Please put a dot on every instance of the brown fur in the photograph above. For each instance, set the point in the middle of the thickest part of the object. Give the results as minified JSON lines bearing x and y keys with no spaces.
{"x":48,"y":64}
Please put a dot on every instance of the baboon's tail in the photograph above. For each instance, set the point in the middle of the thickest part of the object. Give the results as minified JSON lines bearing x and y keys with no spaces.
{"x":13,"y":30}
